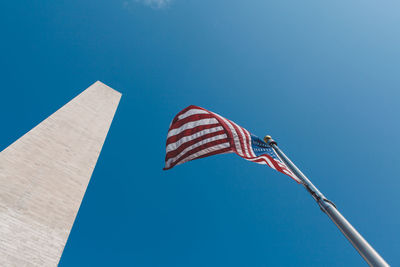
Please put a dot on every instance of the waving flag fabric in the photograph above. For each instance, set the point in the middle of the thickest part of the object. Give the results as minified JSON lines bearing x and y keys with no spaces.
{"x":197,"y":133}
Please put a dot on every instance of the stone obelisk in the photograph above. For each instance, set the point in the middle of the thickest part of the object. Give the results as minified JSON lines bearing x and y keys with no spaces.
{"x":44,"y":175}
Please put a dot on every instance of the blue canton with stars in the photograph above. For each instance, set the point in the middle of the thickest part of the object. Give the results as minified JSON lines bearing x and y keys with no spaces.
{"x":260,"y":147}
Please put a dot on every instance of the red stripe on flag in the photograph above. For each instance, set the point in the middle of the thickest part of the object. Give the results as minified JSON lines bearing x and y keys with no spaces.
{"x":241,"y":140}
{"x":183,"y":146}
{"x":191,"y":118}
{"x":228,"y":132}
{"x":176,"y":118}
{"x":197,"y":149}
{"x":191,"y":131}
{"x":220,"y":151}
{"x":262,"y":160}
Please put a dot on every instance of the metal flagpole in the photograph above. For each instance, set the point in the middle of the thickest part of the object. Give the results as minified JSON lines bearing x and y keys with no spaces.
{"x":366,"y":251}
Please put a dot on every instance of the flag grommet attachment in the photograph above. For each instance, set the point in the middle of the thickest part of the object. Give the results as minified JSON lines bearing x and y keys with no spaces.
{"x":268,"y":139}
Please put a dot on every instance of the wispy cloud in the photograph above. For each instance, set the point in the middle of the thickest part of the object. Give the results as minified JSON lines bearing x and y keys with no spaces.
{"x":156,"y":4}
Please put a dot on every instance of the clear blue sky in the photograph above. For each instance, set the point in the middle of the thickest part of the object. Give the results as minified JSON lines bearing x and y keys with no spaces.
{"x":322,"y":77}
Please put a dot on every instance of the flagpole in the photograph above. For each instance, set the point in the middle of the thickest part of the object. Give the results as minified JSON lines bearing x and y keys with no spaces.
{"x":359,"y":243}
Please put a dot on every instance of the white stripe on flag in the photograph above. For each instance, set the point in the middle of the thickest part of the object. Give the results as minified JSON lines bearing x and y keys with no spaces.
{"x":244,"y":139}
{"x":191,"y":125}
{"x":191,"y":112}
{"x":202,"y":142}
{"x":234,"y":135}
{"x":205,"y":151}
{"x":188,"y":138}
{"x":249,"y":142}
{"x":266,"y":160}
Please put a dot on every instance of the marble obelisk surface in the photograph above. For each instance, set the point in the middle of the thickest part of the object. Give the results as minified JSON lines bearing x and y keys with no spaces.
{"x":44,"y":175}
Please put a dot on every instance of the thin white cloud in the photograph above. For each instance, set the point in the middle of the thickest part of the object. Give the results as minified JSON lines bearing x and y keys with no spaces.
{"x":156,"y":4}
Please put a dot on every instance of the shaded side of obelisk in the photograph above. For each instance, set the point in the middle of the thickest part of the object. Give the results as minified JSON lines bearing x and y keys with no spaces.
{"x":44,"y":175}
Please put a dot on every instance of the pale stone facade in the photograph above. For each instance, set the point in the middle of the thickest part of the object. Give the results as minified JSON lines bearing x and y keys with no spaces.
{"x":44,"y":175}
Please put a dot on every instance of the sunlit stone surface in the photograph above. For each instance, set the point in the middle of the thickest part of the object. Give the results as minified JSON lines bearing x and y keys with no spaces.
{"x":44,"y":175}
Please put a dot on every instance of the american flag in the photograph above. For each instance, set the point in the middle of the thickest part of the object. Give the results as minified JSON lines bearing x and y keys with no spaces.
{"x":197,"y":133}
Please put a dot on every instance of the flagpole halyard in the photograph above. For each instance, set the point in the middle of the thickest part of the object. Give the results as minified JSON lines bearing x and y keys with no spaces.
{"x":359,"y":243}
